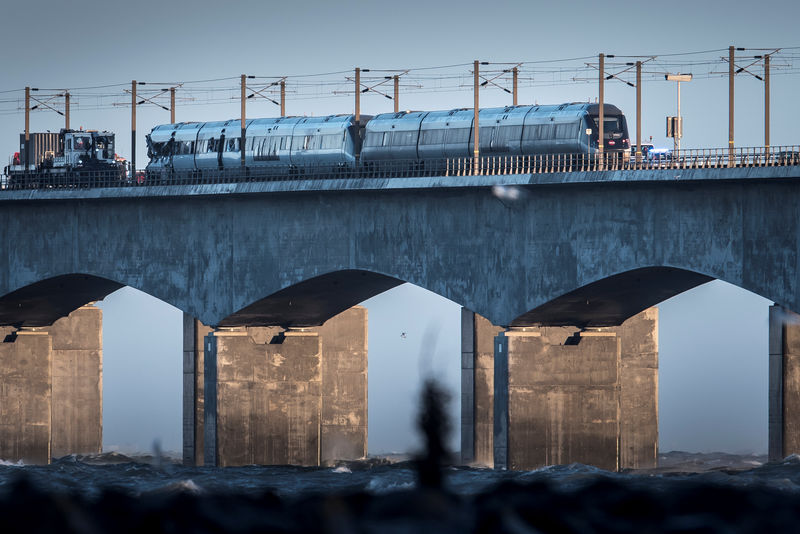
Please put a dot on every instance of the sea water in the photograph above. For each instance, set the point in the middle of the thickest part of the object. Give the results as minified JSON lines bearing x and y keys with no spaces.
{"x":136,"y":475}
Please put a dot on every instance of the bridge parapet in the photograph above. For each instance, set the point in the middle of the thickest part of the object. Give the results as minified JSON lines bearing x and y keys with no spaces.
{"x":445,"y":170}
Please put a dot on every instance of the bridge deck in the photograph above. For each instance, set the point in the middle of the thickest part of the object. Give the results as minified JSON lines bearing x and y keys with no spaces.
{"x":789,"y":172}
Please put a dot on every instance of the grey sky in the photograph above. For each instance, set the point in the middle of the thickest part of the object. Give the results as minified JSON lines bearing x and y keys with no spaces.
{"x":713,"y":340}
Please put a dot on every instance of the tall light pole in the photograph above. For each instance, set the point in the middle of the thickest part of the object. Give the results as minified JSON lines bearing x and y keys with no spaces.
{"x":677,"y":125}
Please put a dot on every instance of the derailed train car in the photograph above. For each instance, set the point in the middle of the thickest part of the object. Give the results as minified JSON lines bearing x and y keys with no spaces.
{"x":417,"y":139}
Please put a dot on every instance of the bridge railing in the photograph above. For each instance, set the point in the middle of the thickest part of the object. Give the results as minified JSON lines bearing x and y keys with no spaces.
{"x":621,"y":161}
{"x":454,"y":167}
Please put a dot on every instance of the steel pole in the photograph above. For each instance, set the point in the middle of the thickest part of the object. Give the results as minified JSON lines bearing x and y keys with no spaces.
{"x":766,"y":102}
{"x":730,"y":106}
{"x":600,"y":113}
{"x":27,"y":127}
{"x":172,"y":105}
{"x":515,"y":73}
{"x":475,"y":146}
{"x":133,"y":129}
{"x":66,"y":110}
{"x":677,"y":132}
{"x":244,"y":99}
{"x":283,"y":98}
{"x":638,"y":112}
{"x":358,"y":96}
{"x":396,"y":93}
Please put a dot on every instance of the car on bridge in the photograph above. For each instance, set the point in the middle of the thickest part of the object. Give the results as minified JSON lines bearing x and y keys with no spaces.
{"x":646,"y":148}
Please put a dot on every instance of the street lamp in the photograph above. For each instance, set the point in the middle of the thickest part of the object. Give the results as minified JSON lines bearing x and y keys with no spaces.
{"x":675,"y":124}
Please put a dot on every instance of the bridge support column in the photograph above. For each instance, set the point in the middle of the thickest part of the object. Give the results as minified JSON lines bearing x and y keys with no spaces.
{"x":25,"y":395}
{"x":77,"y":396}
{"x":477,"y":388}
{"x":300,"y":396}
{"x":784,"y":383}
{"x":51,"y":388}
{"x":262,"y":400}
{"x":560,"y":395}
{"x":194,"y":333}
{"x":344,"y":386}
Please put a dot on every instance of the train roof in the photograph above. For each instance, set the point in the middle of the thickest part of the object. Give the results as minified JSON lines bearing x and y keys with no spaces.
{"x":552,"y":109}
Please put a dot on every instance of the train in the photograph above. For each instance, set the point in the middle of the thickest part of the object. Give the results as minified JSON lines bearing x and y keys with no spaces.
{"x":67,"y":157}
{"x":421,"y":139}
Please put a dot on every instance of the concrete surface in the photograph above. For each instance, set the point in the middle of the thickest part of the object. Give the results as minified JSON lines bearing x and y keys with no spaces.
{"x":25,"y":396}
{"x":263,"y":400}
{"x":344,"y":386}
{"x":564,"y":395}
{"x":261,"y":385}
{"x":477,"y":372}
{"x":588,"y":249}
{"x":638,"y":382}
{"x":784,"y":383}
{"x":77,"y":382}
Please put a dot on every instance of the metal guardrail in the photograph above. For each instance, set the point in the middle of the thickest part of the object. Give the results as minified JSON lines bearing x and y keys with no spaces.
{"x":485,"y":166}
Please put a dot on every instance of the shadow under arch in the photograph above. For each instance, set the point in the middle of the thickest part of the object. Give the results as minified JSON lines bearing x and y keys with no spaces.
{"x":612,"y":300}
{"x":313,"y":301}
{"x":44,"y":302}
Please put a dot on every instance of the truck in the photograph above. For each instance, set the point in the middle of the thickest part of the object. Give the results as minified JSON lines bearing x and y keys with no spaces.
{"x":69,"y":158}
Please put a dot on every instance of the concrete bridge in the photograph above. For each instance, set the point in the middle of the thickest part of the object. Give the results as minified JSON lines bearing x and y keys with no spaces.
{"x":583,"y":250}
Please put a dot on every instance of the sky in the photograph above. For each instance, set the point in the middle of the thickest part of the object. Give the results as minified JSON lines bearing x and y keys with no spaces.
{"x":713,"y":339}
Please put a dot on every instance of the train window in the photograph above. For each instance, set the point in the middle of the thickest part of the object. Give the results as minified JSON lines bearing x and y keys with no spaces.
{"x":610,"y":123}
{"x":486,"y":136}
{"x":505,"y":136}
{"x":457,"y":136}
{"x":314,"y":142}
{"x":432,"y":137}
{"x":82,"y":143}
{"x":404,"y":138}
{"x":300,"y":142}
{"x":373,"y":139}
{"x":233,"y":144}
{"x":568,"y":130}
{"x":331,"y":141}
{"x":285,"y":142}
{"x":385,"y":139}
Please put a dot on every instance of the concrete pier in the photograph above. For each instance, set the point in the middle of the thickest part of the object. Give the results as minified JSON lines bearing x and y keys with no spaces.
{"x":784,"y":383}
{"x":77,"y":364}
{"x":25,"y":395}
{"x":194,"y":333}
{"x":477,"y":388}
{"x":51,"y":388}
{"x":262,"y":400}
{"x":296,"y":397}
{"x":344,"y":386}
{"x":560,"y":395}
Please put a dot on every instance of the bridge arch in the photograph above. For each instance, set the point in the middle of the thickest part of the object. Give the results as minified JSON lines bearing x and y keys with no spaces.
{"x":42,"y":303}
{"x":611,"y":300}
{"x":312,"y":301}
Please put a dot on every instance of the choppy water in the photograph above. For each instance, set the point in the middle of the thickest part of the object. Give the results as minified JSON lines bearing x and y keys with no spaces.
{"x":89,"y":476}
